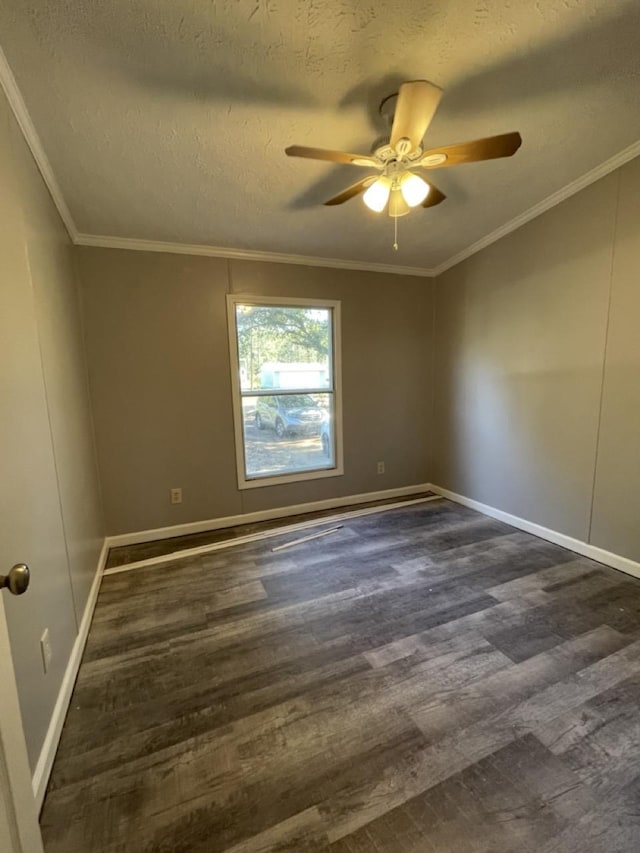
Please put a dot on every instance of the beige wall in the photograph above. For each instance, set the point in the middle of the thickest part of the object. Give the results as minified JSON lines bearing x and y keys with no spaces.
{"x":160,"y":381}
{"x":526,"y":332}
{"x":616,"y":507}
{"x":50,"y":512}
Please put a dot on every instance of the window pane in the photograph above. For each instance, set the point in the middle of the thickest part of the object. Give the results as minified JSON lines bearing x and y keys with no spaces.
{"x":288,"y":433}
{"x":284,"y":347}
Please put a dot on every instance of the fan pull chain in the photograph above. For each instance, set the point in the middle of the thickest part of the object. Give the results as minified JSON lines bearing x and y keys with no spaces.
{"x":395,"y":233}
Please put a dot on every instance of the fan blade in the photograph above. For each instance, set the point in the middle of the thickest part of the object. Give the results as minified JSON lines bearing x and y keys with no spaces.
{"x":416,"y":106}
{"x":353,"y":190}
{"x":490,"y":148}
{"x":434,"y":197}
{"x":331,"y":156}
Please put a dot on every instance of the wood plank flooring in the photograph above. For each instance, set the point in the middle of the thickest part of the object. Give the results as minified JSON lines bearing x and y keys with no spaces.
{"x":426,"y":679}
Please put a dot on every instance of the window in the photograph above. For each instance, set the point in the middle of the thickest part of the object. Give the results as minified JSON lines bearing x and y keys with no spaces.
{"x":285,"y":372}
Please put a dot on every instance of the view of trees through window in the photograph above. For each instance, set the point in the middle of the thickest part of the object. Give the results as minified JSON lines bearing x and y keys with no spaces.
{"x":285,"y":365}
{"x":268,"y":334}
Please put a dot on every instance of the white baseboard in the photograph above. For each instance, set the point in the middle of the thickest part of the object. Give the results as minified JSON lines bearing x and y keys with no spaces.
{"x":262,"y":515}
{"x":43,"y":768}
{"x":623,"y":564}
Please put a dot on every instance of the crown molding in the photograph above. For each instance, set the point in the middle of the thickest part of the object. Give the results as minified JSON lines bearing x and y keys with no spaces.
{"x":17,"y":104}
{"x":243,"y":254}
{"x":554,"y":199}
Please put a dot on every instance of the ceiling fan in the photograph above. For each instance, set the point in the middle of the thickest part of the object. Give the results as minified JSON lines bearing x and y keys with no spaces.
{"x":410,"y":112}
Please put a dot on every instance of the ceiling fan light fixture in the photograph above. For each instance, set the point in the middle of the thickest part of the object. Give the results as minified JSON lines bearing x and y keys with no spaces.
{"x":377,"y":195}
{"x":391,"y":181}
{"x":397,"y":205}
{"x":414,"y":189}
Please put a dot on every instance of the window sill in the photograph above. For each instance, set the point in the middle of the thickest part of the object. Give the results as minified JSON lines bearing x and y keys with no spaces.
{"x":284,"y":479}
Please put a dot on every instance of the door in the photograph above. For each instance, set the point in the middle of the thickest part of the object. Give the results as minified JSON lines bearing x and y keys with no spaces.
{"x":30,"y":518}
{"x":19,"y":831}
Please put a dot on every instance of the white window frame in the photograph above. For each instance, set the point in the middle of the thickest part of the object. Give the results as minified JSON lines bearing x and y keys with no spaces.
{"x":261,"y":481}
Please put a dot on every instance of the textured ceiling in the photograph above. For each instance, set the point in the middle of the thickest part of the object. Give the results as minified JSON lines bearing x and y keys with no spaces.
{"x":168,"y":120}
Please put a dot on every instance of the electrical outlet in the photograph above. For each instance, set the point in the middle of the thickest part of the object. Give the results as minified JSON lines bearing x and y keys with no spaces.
{"x":176,"y":496}
{"x":47,"y":651}
{"x":380,"y":467}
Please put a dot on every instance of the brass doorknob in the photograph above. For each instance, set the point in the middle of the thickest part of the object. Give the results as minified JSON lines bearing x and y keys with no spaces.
{"x":17,"y":581}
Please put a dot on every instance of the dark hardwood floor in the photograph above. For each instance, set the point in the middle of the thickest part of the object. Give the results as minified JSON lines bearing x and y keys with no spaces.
{"x":426,"y":679}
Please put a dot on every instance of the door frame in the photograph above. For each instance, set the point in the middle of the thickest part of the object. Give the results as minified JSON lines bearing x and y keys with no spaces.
{"x":19,"y":828}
